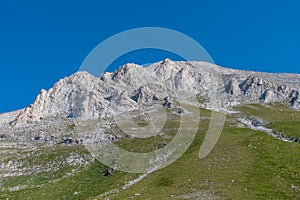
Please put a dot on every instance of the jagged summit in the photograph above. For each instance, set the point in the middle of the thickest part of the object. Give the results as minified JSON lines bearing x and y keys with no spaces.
{"x":84,"y":96}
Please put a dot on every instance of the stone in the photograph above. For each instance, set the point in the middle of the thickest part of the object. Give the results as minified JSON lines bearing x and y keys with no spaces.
{"x":83,"y":96}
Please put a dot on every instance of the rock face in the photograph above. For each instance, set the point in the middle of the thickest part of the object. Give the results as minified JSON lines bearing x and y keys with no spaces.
{"x":83,"y":96}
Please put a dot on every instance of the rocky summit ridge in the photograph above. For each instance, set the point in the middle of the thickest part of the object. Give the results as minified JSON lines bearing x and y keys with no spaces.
{"x":83,"y":96}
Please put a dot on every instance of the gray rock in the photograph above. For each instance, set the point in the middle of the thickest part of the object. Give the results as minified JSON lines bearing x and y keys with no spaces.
{"x":83,"y":96}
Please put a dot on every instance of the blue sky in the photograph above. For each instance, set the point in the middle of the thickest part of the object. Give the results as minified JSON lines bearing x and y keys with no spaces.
{"x":43,"y":41}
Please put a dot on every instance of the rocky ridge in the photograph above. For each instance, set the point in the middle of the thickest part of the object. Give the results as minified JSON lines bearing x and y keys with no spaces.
{"x":83,"y":96}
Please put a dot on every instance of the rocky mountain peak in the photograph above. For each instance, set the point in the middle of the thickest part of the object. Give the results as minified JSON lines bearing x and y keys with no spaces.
{"x":165,"y":69}
{"x":84,"y":96}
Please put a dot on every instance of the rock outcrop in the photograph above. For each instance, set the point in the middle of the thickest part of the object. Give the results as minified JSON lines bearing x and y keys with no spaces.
{"x":83,"y":96}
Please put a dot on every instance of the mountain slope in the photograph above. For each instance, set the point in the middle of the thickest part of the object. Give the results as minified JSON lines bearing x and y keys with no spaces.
{"x":84,"y":96}
{"x":245,"y":164}
{"x":45,"y":149}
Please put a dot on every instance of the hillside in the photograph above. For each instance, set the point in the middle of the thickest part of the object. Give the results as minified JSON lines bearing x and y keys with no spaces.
{"x":53,"y":148}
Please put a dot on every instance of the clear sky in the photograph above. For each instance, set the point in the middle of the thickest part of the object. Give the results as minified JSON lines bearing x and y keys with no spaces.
{"x":43,"y":41}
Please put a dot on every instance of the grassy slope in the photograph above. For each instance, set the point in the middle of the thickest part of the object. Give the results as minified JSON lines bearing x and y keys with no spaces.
{"x":283,"y":119}
{"x":245,"y":164}
{"x":88,"y":182}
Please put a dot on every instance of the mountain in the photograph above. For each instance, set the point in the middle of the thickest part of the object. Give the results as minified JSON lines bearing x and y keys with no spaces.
{"x":83,"y":96}
{"x":60,"y":146}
